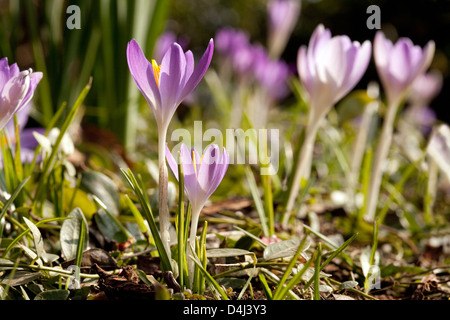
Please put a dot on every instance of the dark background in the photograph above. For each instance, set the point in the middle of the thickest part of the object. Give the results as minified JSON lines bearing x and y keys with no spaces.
{"x":420,"y":20}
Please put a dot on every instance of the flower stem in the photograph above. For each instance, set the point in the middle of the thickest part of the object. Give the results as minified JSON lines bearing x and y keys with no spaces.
{"x":381,"y":153}
{"x":191,"y":243}
{"x":303,"y":168}
{"x":164,"y":215}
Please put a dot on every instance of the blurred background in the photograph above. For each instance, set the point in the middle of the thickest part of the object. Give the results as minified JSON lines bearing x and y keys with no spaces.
{"x":34,"y":34}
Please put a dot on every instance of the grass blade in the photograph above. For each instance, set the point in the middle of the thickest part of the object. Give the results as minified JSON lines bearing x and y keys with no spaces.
{"x":213,"y":283}
{"x":257,"y":200}
{"x":316,"y":276}
{"x":291,"y":265}
{"x":50,"y":161}
{"x":145,"y":204}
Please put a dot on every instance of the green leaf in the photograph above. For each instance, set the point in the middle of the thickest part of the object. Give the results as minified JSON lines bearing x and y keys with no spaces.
{"x":70,"y":234}
{"x":283,"y":249}
{"x":12,"y":198}
{"x":53,"y":295}
{"x":104,"y":188}
{"x":144,"y":202}
{"x":226,"y":252}
{"x":108,"y":227}
{"x":21,"y":277}
{"x":20,"y":236}
{"x":37,"y":237}
{"x":348,"y":285}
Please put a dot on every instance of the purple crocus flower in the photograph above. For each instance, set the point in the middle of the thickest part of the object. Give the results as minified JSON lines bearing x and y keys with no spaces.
{"x":400,"y":64}
{"x":202,"y":173}
{"x":16,"y":89}
{"x":272,"y":75}
{"x":164,"y":87}
{"x":283,"y":16}
{"x":329,"y":68}
{"x":202,"y":176}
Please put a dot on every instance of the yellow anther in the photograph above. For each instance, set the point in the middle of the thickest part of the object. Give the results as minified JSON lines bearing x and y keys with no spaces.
{"x":156,"y":71}
{"x":193,"y":160}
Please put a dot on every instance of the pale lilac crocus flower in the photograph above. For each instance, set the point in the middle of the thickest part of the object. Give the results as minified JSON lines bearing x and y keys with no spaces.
{"x":16,"y":89}
{"x":202,"y":176}
{"x":282,"y":16}
{"x":398,"y":66}
{"x":328,"y":68}
{"x":164,"y":87}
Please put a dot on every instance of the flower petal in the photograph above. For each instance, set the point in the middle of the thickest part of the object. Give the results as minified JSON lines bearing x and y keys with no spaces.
{"x":173,"y":66}
{"x":173,"y":164}
{"x":199,"y":71}
{"x":142,"y":72}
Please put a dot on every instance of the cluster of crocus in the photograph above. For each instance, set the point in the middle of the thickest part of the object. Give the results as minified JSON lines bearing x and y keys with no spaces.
{"x":262,"y":80}
{"x":398,"y":66}
{"x":164,"y":87}
{"x":328,"y":68}
{"x":202,"y":175}
{"x":251,"y":62}
{"x":16,"y":89}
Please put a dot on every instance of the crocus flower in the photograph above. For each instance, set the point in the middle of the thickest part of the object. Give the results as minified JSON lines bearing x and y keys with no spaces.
{"x":202,"y":176}
{"x":329,"y":68}
{"x":400,"y":64}
{"x":16,"y":89}
{"x":398,"y":67}
{"x":272,"y":75}
{"x":164,"y":87}
{"x":283,"y":16}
